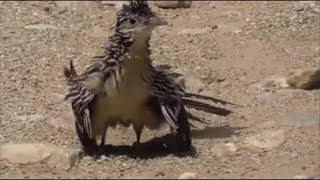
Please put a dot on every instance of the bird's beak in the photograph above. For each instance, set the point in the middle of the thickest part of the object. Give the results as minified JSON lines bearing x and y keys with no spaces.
{"x":157,"y":21}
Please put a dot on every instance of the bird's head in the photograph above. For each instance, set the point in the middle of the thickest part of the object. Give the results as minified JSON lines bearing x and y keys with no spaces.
{"x":137,"y":18}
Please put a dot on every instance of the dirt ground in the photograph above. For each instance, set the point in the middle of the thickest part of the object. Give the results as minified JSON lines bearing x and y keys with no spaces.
{"x":231,"y":48}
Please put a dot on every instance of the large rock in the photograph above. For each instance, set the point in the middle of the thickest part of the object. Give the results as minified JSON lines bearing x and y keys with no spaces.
{"x":173,"y":4}
{"x":305,"y":79}
{"x":267,"y":140}
{"x":25,"y":153}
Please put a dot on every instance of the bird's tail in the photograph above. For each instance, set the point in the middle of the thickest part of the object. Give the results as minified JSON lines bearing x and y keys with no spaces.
{"x":70,"y":73}
{"x":203,"y":107}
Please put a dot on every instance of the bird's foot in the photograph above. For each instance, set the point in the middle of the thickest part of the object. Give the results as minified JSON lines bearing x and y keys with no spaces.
{"x":137,"y":145}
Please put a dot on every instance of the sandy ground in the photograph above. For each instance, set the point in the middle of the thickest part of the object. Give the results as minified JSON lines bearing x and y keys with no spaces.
{"x":230,"y":47}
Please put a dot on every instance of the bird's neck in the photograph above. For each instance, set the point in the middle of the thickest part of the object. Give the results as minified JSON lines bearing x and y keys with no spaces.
{"x":133,"y":44}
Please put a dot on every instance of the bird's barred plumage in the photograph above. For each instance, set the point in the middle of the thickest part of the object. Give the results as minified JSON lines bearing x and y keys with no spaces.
{"x":109,"y":70}
{"x":125,"y":64}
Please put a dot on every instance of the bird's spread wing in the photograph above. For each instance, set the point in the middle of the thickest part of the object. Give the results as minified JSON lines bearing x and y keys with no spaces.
{"x":82,"y":90}
{"x":80,"y":98}
{"x":168,"y":94}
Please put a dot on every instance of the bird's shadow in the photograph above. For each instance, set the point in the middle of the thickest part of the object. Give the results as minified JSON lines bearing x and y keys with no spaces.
{"x":156,"y":147}
{"x":165,"y":145}
{"x":215,"y":132}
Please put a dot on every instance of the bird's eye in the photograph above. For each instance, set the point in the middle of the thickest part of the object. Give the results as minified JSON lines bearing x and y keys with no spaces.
{"x":132,"y":21}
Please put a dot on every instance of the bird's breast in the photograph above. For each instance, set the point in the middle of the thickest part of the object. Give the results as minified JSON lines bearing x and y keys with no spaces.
{"x":127,"y":91}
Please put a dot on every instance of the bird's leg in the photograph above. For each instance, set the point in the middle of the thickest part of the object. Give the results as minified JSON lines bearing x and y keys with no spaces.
{"x":103,"y":137}
{"x":138,"y":130}
{"x":183,"y":132}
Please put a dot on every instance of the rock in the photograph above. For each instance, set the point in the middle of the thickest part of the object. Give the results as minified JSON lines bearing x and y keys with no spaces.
{"x":305,"y":79}
{"x":41,"y":26}
{"x":224,"y":149}
{"x":195,"y":31}
{"x":231,"y":147}
{"x":98,"y":32}
{"x":173,"y":4}
{"x":188,"y":81}
{"x":63,"y":158}
{"x":272,"y":83}
{"x":66,"y":121}
{"x":267,"y":139}
{"x":300,"y":177}
{"x":25,"y":153}
{"x":31,"y":117}
{"x":117,"y":4}
{"x":300,"y":119}
{"x":188,"y":175}
{"x":74,"y":4}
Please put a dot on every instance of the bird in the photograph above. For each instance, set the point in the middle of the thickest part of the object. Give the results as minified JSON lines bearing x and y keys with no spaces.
{"x":122,"y":86}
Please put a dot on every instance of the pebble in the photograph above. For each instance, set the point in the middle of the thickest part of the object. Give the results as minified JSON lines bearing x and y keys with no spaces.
{"x":41,"y":27}
{"x":267,"y":139}
{"x":188,"y":175}
{"x":173,"y":4}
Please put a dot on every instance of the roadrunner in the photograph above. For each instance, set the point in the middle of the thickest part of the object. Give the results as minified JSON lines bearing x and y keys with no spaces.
{"x":123,"y":87}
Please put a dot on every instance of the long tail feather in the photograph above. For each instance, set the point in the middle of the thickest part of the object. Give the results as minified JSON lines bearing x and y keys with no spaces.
{"x":205,"y":107}
{"x":70,"y":72}
{"x":194,"y":118}
{"x":208,"y":98}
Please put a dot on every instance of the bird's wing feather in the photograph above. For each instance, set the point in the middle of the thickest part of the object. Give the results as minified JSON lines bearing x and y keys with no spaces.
{"x":168,"y":95}
{"x":82,"y":96}
{"x":81,"y":99}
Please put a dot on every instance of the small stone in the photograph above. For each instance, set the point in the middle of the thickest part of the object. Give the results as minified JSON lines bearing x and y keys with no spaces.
{"x":300,"y":119}
{"x":63,"y":158}
{"x":98,"y":32}
{"x":160,"y":173}
{"x":195,"y":31}
{"x":117,"y":4}
{"x":41,"y":27}
{"x":62,"y":123}
{"x":267,"y":139}
{"x":274,"y":82}
{"x":305,"y":79}
{"x":74,"y":4}
{"x":31,"y":117}
{"x":300,"y":177}
{"x":66,"y":121}
{"x":231,"y":147}
{"x":173,"y":4}
{"x":188,"y":175}
{"x":224,"y":149}
{"x":184,"y":78}
{"x":188,"y":81}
